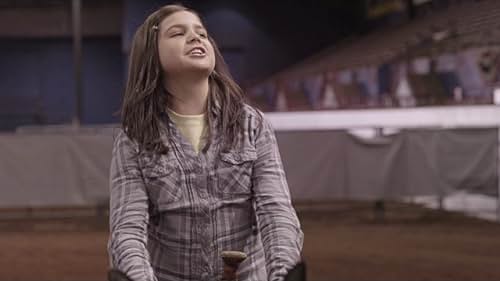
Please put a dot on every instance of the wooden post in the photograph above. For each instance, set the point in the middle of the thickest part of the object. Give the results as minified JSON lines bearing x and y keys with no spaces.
{"x":76,"y":9}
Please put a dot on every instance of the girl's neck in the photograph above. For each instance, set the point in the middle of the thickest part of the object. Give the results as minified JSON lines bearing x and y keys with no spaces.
{"x":188,"y":96}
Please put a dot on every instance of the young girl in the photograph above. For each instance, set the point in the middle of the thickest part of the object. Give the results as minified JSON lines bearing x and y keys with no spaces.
{"x":195,"y":171}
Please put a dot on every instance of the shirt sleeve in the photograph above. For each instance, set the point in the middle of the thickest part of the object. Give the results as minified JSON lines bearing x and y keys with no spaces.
{"x":128,"y":216}
{"x":279,"y":226}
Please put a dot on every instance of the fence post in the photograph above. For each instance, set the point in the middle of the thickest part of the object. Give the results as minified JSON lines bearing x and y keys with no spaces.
{"x":498,"y":174}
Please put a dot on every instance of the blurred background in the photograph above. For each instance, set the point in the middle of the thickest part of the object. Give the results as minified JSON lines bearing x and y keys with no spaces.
{"x":386,"y":113}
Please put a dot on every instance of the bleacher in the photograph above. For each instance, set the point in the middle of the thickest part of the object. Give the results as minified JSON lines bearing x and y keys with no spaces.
{"x":461,"y":26}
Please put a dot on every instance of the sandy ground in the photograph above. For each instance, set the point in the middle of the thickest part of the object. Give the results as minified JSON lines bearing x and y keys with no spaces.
{"x":343,"y":241}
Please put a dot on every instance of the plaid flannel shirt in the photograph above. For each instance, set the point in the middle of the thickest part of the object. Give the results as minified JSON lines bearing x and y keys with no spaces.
{"x":172,"y":215}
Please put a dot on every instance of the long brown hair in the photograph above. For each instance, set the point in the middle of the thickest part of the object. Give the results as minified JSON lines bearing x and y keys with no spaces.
{"x":145,"y":98}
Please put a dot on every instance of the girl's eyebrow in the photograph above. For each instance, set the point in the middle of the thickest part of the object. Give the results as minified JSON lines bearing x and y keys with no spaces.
{"x":176,"y":26}
{"x":196,"y":26}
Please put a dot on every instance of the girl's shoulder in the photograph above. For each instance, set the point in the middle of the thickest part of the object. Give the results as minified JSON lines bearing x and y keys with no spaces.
{"x":121,"y":140}
{"x":254,"y":115}
{"x":256,"y":121}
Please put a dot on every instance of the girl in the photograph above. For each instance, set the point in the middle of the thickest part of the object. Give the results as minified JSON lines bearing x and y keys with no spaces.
{"x":195,"y":171}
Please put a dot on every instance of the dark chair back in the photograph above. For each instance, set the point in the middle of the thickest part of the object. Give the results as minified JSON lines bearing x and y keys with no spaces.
{"x":116,"y":275}
{"x":298,"y":273}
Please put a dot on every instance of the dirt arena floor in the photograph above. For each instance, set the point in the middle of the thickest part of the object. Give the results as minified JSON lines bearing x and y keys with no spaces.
{"x":343,"y":241}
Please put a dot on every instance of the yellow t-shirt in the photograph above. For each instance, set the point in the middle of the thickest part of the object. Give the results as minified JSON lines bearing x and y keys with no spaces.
{"x":192,"y":127}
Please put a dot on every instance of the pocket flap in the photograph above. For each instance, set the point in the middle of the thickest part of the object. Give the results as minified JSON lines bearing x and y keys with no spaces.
{"x":157,"y":168}
{"x":239,"y":157}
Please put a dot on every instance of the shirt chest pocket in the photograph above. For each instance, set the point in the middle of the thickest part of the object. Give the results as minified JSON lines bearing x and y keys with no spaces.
{"x":162,"y":177}
{"x":235,"y":172}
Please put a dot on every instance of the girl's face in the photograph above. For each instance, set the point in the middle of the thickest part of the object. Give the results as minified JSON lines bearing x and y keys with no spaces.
{"x":183,"y":45}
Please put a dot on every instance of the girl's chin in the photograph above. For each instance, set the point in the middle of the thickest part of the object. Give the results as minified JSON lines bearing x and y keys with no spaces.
{"x":188,"y":68}
{"x":202,"y":68}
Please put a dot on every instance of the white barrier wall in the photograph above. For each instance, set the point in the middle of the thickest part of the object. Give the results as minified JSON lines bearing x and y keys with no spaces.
{"x":58,"y":166}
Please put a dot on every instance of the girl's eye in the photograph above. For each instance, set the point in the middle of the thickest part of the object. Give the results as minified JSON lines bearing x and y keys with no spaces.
{"x":203,"y":35}
{"x":177,"y":34}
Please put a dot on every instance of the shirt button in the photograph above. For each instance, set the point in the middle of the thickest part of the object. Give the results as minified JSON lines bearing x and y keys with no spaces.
{"x":203,"y":193}
{"x":255,"y":230}
{"x":197,"y":169}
